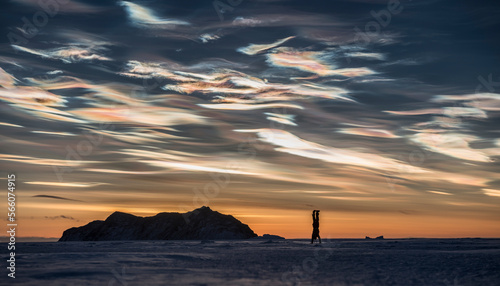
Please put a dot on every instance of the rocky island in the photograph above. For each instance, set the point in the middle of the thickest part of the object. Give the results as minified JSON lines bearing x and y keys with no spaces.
{"x":202,"y":223}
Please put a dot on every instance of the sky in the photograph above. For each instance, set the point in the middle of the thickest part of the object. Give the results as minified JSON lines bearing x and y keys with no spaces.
{"x":384,"y":115}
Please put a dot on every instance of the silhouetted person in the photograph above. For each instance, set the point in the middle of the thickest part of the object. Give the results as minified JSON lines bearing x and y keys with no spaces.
{"x":315,"y":227}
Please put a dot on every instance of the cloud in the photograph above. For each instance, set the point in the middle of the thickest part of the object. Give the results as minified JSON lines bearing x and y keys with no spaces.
{"x":55,"y":197}
{"x":417,"y":111}
{"x":241,"y":21}
{"x":281,"y":118}
{"x":205,"y":38}
{"x":450,"y":111}
{"x":193,"y":167}
{"x":122,"y":172}
{"x":10,"y":124}
{"x":454,"y":145}
{"x":476,"y":101}
{"x":146,"y":18}
{"x":61,"y":217}
{"x":306,"y":61}
{"x":66,"y":184}
{"x":311,"y":62}
{"x":54,"y":133}
{"x":6,"y":79}
{"x":370,"y":132}
{"x":440,"y":193}
{"x":72,"y":54}
{"x":254,"y":49}
{"x":369,"y":56}
{"x":491,"y":192}
{"x":135,"y":137}
{"x":38,"y":102}
{"x":44,"y":161}
{"x":140,"y":115}
{"x":140,"y":69}
{"x":239,"y":106}
{"x":466,"y":97}
{"x":464,"y":112}
{"x":31,"y":96}
{"x":292,"y":144}
{"x":66,"y":6}
{"x":230,"y":86}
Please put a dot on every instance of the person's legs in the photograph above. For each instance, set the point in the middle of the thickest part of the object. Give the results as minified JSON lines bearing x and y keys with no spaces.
{"x":319,"y":238}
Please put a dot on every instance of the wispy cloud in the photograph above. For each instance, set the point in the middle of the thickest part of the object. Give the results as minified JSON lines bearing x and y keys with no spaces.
{"x":55,"y":197}
{"x":370,"y":132}
{"x":281,"y":118}
{"x":369,"y":56}
{"x":312,"y":62}
{"x":6,"y":79}
{"x":142,"y":115}
{"x":66,"y":184}
{"x":230,"y":85}
{"x":254,"y":49}
{"x":61,"y":217}
{"x":66,"y":54}
{"x":241,"y":106}
{"x":454,"y":145}
{"x":10,"y":124}
{"x":68,"y":6}
{"x":144,"y":17}
{"x":289,"y":143}
{"x":481,"y":101}
{"x":491,"y":192}
{"x":440,"y":193}
{"x":54,"y":133}
{"x":42,"y":161}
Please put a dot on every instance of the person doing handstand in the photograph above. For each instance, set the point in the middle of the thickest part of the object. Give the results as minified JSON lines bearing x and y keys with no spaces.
{"x":315,"y":233}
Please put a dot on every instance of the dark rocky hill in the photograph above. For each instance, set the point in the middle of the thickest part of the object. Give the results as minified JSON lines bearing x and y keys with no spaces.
{"x":202,"y":223}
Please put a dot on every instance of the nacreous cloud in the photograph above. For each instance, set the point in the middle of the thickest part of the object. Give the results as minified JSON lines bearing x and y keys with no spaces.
{"x":491,"y":192}
{"x":370,"y":132}
{"x":6,"y":79}
{"x":454,"y":145}
{"x":368,"y":56}
{"x":145,"y":18}
{"x":484,"y":101}
{"x":310,"y":61}
{"x":66,"y":184}
{"x":254,"y":49}
{"x":146,"y":115}
{"x":230,"y":85}
{"x":241,"y":106}
{"x":67,"y":54}
{"x":292,"y":144}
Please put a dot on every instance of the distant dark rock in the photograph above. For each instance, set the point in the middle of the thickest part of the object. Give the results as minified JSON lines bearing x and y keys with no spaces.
{"x":272,"y":236}
{"x":269,"y":237}
{"x":202,"y":224}
{"x":378,"y":237}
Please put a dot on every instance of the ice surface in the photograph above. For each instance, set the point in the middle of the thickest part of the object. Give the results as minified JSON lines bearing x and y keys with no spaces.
{"x":259,"y":262}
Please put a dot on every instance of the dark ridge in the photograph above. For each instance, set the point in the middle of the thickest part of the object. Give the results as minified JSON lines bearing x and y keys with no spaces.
{"x":202,"y":224}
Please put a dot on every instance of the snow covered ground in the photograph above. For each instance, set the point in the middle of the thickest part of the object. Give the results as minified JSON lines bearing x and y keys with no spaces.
{"x":259,"y":262}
